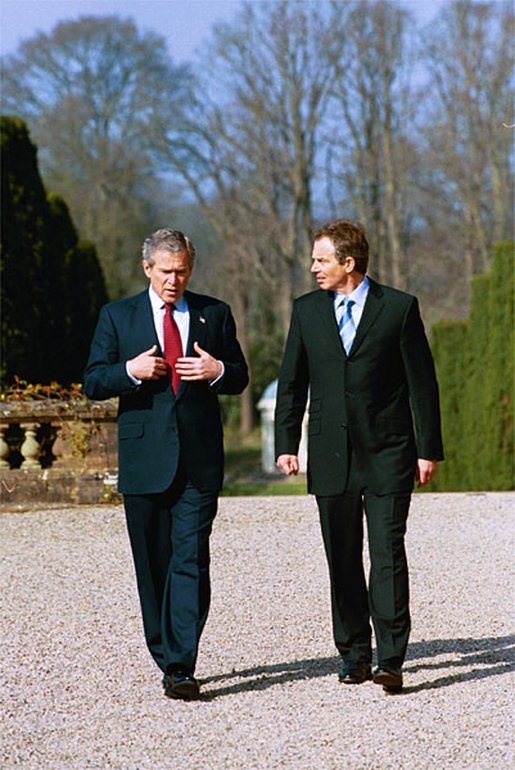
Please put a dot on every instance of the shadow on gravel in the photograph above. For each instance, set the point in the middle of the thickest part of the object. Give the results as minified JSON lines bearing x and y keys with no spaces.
{"x":263,"y":677}
{"x":490,"y":656}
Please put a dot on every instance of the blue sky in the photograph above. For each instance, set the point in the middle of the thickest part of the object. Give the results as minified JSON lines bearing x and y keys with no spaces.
{"x":184,"y":23}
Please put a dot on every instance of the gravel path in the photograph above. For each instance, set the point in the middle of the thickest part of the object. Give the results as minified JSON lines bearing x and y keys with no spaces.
{"x":78,"y":689}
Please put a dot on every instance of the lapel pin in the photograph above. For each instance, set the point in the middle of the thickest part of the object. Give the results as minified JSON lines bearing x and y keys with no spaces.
{"x":202,"y":319}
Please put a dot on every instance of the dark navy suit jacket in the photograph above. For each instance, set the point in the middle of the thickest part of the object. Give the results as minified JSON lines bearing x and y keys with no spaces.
{"x":155,"y":427}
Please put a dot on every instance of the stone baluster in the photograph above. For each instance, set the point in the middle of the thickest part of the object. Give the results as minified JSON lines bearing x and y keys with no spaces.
{"x":60,"y":448}
{"x":30,"y":448}
{"x":4,"y":450}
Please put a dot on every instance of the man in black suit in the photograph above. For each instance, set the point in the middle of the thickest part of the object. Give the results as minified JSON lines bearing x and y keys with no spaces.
{"x":361,"y":350}
{"x":168,"y":353}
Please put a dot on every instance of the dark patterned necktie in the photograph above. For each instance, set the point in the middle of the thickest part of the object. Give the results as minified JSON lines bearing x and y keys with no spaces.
{"x":172,"y":344}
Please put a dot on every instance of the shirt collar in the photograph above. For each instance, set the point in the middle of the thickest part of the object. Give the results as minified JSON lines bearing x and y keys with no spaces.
{"x":158,"y":304}
{"x":358,"y":296}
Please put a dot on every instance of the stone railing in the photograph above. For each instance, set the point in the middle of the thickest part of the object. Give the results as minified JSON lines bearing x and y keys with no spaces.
{"x":47,"y":446}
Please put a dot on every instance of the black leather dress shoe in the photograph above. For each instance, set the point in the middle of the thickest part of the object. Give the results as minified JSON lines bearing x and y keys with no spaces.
{"x":389,"y":677}
{"x":355,"y":672}
{"x":181,"y":685}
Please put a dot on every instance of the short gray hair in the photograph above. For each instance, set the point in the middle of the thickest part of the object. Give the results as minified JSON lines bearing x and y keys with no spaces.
{"x":169,"y":240}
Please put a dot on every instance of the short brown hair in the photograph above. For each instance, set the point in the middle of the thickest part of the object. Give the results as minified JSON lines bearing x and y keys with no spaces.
{"x":170,"y":240}
{"x":349,"y":240}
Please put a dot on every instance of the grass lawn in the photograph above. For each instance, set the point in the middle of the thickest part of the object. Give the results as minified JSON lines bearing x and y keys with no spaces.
{"x":244,"y":475}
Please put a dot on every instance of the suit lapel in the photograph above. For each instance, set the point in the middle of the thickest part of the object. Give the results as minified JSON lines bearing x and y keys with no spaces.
{"x":143,"y":323}
{"x":373,"y":306}
{"x":198,"y":324}
{"x":325,"y":307}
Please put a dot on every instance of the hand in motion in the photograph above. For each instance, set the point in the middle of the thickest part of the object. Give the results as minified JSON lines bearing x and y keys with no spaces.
{"x":201,"y":367}
{"x":426,"y":471}
{"x":288,"y":464}
{"x":148,"y":366}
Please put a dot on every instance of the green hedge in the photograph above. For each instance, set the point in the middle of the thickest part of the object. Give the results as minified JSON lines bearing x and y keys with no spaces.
{"x":474,"y":363}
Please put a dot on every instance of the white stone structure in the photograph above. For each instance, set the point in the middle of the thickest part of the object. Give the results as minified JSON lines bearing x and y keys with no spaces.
{"x":266,"y":406}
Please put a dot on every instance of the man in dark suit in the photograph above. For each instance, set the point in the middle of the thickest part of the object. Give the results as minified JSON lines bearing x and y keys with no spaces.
{"x":361,"y":350}
{"x":168,"y":353}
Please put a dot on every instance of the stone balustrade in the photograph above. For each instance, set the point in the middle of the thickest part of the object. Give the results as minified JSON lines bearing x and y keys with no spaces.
{"x":51,"y":450}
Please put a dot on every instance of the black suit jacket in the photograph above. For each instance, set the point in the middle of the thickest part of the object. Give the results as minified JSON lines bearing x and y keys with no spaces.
{"x":155,"y":427}
{"x":369,"y":396}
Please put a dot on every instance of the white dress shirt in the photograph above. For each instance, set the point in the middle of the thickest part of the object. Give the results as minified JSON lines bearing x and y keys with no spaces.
{"x":359,"y":296}
{"x":181,"y":316}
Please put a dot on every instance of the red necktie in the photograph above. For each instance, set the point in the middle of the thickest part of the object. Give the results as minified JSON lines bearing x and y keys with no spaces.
{"x":172,"y":344}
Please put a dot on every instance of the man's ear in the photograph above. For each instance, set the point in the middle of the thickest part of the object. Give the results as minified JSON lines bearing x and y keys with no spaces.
{"x":350,"y":264}
{"x":146,"y":267}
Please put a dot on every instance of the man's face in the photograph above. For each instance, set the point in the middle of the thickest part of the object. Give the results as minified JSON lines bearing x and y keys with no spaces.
{"x":169,"y":275}
{"x":329,"y":273}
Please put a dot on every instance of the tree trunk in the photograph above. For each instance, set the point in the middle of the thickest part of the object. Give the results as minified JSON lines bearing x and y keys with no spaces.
{"x":246,"y":407}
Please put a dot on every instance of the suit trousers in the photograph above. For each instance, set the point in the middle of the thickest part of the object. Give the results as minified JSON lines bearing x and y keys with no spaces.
{"x":169,"y":535}
{"x":386,"y":602}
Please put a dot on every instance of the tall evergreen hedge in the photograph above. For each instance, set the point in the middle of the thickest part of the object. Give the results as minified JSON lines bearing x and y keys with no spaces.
{"x":449,"y":345}
{"x":474,"y":363}
{"x":500,"y":426}
{"x":52,"y":285}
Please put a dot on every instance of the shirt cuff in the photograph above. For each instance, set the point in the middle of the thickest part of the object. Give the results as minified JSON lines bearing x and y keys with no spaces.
{"x":131,"y":376}
{"x":213,"y":382}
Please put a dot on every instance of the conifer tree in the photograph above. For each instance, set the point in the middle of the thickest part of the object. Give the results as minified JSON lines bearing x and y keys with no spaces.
{"x":52,"y":285}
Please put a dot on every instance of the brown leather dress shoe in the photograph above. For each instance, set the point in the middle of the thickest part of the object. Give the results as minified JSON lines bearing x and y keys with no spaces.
{"x":181,"y":685}
{"x":355,"y":672}
{"x":389,"y":677}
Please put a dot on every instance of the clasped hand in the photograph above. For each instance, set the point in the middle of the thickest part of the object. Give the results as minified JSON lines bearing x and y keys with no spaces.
{"x":288,"y":464}
{"x":148,"y":366}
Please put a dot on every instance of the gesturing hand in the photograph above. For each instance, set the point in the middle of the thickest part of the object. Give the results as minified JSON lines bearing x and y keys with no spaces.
{"x":203,"y":367}
{"x":147,"y":366}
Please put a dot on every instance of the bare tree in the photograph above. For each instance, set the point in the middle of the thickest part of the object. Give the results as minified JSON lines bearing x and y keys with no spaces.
{"x":371,"y":151}
{"x":250,"y":154}
{"x":250,"y":159}
{"x":88,"y":91}
{"x":469,"y":56}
